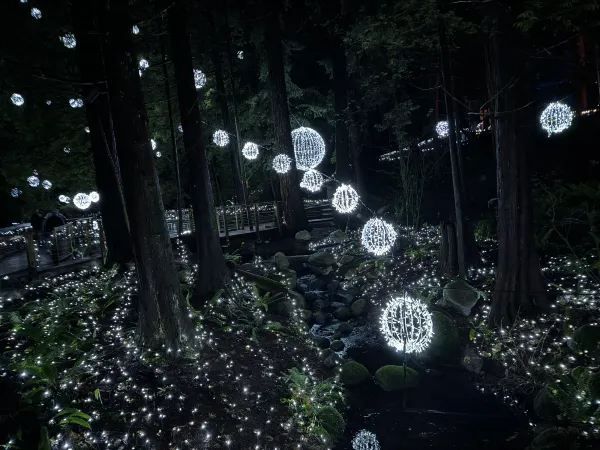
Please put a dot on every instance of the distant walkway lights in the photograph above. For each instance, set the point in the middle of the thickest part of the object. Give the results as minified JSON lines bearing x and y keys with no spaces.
{"x":442,"y":129}
{"x":68,"y":40}
{"x":282,"y":163}
{"x":17,"y":99}
{"x":556,"y":118}
{"x":345,"y":199}
{"x":220,"y":138}
{"x":378,"y":236}
{"x":199,"y":79}
{"x":309,"y":148}
{"x":250,"y":150}
{"x":365,"y":440}
{"x":82,"y":201}
{"x":406,"y":325}
{"x":312,"y":181}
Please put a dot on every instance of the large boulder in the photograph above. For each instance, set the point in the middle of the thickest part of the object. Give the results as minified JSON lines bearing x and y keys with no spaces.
{"x":353,"y":373}
{"x":322,"y":259}
{"x":332,"y":421}
{"x":395,"y":378}
{"x":445,"y":344}
{"x":281,"y":261}
{"x":303,"y":235}
{"x":460,"y":296}
{"x":359,"y":307}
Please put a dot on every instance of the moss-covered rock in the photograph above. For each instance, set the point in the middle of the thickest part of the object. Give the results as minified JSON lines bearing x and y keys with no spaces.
{"x":460,"y":296}
{"x":393,"y":378}
{"x":445,"y":345}
{"x":322,"y":259}
{"x":303,"y":235}
{"x":587,"y":339}
{"x":338,"y":236}
{"x":281,"y":261}
{"x":353,"y":373}
{"x":332,"y":421}
{"x":359,"y":307}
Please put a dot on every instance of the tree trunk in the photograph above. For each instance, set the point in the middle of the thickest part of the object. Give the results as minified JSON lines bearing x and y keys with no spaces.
{"x":293,"y":208}
{"x":519,"y":286}
{"x":340,"y":94}
{"x":211,"y":262}
{"x":106,"y":164}
{"x":163,"y":316}
{"x":448,"y":250}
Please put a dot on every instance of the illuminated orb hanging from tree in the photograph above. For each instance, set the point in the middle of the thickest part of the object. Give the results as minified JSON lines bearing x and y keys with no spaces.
{"x":153,"y":144}
{"x":47,"y":184}
{"x":33,"y":181}
{"x":556,"y":118}
{"x":442,"y":129}
{"x":282,"y":163}
{"x":68,"y":40}
{"x":199,"y":79}
{"x":345,"y":199}
{"x":135,"y":29}
{"x":63,"y":198}
{"x":15,"y":192}
{"x":94,"y":196}
{"x":220,"y":138}
{"x":250,"y":150}
{"x":406,"y":324}
{"x":75,"y":102}
{"x":17,"y":99}
{"x":312,"y":180}
{"x":365,"y":440}
{"x":36,"y":13}
{"x":378,"y":236}
{"x":309,"y":148}
{"x":82,"y":200}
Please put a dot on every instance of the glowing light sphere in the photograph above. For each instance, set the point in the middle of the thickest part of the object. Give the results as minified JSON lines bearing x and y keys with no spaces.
{"x":556,"y":118}
{"x":153,"y":144}
{"x":378,"y":236}
{"x":309,"y":148}
{"x":36,"y":13}
{"x":48,"y":102}
{"x":94,"y":196}
{"x":312,"y":181}
{"x":158,"y":154}
{"x":135,"y":29}
{"x":82,"y":200}
{"x":345,"y":199}
{"x":406,"y":324}
{"x":250,"y":150}
{"x":365,"y":440}
{"x":282,"y":163}
{"x":76,"y":102}
{"x":180,"y":128}
{"x":220,"y":138}
{"x":67,"y":149}
{"x":68,"y":40}
{"x":143,"y":65}
{"x":47,"y":184}
{"x":86,"y":129}
{"x":199,"y":79}
{"x":63,"y":198}
{"x":33,"y":181}
{"x":442,"y":129}
{"x":17,"y":99}
{"x":15,"y":192}
{"x":240,"y":54}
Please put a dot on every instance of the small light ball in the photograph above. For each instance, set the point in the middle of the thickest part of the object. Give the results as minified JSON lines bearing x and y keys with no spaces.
{"x":63,"y":198}
{"x":309,"y":148}
{"x":158,"y":154}
{"x":556,"y":118}
{"x":15,"y":192}
{"x":365,"y":440}
{"x":345,"y":199}
{"x":94,"y":196}
{"x":143,"y":65}
{"x":76,"y":102}
{"x":282,"y":163}
{"x":68,"y":40}
{"x":220,"y":138}
{"x":17,"y":99}
{"x":67,"y":149}
{"x":406,"y":324}
{"x":47,"y":184}
{"x":240,"y":54}
{"x":36,"y":13}
{"x":153,"y":144}
{"x":378,"y":236}
{"x":199,"y":79}
{"x":312,"y":180}
{"x":33,"y":181}
{"x":442,"y":129}
{"x":250,"y":150}
{"x":82,"y":200}
{"x":86,"y":129}
{"x":135,"y":29}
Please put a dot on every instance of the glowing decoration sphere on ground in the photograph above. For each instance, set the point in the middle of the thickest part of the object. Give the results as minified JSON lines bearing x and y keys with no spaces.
{"x":345,"y":199}
{"x":63,"y":198}
{"x":556,"y":118}
{"x":406,"y":324}
{"x":47,"y":184}
{"x":68,"y":40}
{"x":82,"y":200}
{"x":199,"y":79}
{"x":86,"y":129}
{"x":48,"y":102}
{"x":158,"y":154}
{"x":36,"y":13}
{"x":15,"y":192}
{"x":442,"y":129}
{"x":312,"y":180}
{"x":135,"y":29}
{"x":240,"y":54}
{"x":143,"y":66}
{"x":220,"y":138}
{"x":309,"y":148}
{"x":76,"y":102}
{"x":378,"y":236}
{"x":365,"y":440}
{"x":250,"y":150}
{"x":94,"y":196}
{"x":17,"y":99}
{"x":282,"y":163}
{"x":33,"y":181}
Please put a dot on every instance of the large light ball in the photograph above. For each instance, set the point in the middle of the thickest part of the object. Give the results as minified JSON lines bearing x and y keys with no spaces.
{"x":220,"y":138}
{"x":345,"y":199}
{"x":282,"y":163}
{"x":312,"y":180}
{"x":82,"y":200}
{"x":33,"y":181}
{"x":17,"y":99}
{"x":94,"y":196}
{"x":442,"y":129}
{"x":365,"y":440}
{"x":47,"y":184}
{"x":378,"y":236}
{"x":309,"y":148}
{"x":250,"y":150}
{"x":68,"y":40}
{"x":199,"y":79}
{"x":556,"y":118}
{"x":406,"y":324}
